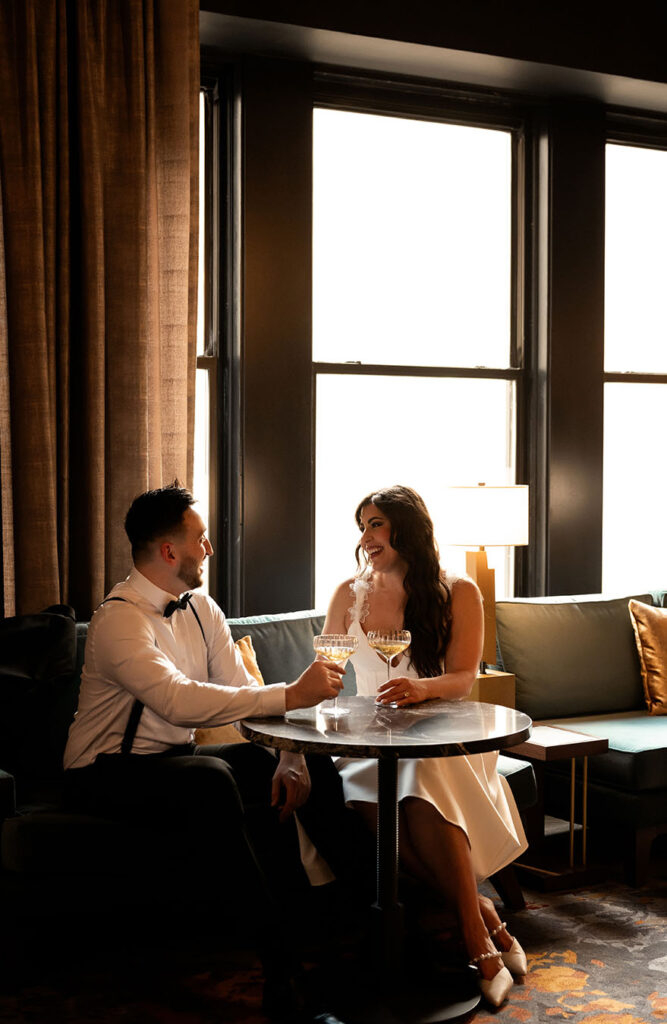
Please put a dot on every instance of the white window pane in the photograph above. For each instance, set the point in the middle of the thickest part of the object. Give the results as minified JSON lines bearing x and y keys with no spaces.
{"x":427,"y":433}
{"x":200,"y":487}
{"x":202,"y":220}
{"x":411,"y":241}
{"x":635,"y":260}
{"x":634,"y":554}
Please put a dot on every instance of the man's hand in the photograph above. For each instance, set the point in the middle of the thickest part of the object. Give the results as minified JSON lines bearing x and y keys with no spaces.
{"x":291,"y":784}
{"x":321,"y":681}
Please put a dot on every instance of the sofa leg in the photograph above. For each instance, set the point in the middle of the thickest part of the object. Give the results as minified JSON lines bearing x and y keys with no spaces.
{"x":506,"y":884}
{"x":637,"y":863}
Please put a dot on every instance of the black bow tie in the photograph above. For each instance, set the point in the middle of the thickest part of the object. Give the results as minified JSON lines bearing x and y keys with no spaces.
{"x":173,"y":605}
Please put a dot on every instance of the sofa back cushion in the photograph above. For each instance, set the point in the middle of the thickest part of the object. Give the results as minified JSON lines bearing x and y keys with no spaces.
{"x":570,"y":655}
{"x":38,"y":692}
{"x":284,"y":644}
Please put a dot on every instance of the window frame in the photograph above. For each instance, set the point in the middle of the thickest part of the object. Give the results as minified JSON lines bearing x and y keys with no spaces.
{"x":645,"y":132}
{"x":269,"y":545}
{"x":478,"y":108}
{"x":221,"y":358}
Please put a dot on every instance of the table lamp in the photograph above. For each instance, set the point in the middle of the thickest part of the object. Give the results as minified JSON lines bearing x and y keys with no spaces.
{"x":484,"y":516}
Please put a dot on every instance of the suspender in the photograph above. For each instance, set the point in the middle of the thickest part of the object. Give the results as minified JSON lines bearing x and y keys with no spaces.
{"x":138,"y":706}
{"x":131,"y":727}
{"x":194,"y":612}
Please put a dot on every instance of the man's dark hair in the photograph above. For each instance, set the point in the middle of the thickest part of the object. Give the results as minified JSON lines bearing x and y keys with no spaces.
{"x":154,"y":514}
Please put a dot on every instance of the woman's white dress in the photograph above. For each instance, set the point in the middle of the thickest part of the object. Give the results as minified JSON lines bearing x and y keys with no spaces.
{"x":466,"y":790}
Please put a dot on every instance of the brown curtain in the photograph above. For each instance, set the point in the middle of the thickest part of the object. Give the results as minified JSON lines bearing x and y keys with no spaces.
{"x":98,"y":274}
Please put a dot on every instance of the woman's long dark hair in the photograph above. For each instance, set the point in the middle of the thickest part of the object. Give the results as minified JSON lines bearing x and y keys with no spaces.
{"x":428,"y":613}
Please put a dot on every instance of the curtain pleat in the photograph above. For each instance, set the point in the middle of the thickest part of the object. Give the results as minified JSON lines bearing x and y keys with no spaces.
{"x":29,"y":169}
{"x":98,"y":150}
{"x":6,"y":508}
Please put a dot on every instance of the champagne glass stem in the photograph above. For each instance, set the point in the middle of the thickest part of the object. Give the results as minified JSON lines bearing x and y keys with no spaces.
{"x":335,"y":700}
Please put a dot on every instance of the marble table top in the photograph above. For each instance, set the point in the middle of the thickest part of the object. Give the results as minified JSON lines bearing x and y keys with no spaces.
{"x":436,"y":728}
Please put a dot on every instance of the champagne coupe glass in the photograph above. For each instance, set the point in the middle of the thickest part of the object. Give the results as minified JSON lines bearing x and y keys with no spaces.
{"x":388,"y":643}
{"x":335,"y":647}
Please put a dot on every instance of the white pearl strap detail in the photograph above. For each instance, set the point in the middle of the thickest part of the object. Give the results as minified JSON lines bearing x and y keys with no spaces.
{"x":484,"y":956}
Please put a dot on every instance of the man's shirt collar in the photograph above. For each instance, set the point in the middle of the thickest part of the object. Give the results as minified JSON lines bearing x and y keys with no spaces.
{"x":154,"y":595}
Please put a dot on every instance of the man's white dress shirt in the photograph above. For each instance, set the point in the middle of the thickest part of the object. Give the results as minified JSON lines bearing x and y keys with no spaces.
{"x":133,"y":651}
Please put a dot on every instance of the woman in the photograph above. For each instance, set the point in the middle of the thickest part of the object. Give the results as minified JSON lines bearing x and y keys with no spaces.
{"x":458,"y":820}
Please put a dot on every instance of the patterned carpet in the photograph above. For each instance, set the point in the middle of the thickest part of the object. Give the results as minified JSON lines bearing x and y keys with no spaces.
{"x":596,"y":956}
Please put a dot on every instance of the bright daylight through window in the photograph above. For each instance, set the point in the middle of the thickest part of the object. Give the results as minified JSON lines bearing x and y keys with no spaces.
{"x":202,"y":457}
{"x":411,"y":268}
{"x":635,"y":486}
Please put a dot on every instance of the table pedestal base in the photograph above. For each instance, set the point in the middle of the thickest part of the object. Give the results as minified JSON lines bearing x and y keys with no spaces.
{"x":454,"y":996}
{"x":392,"y":991}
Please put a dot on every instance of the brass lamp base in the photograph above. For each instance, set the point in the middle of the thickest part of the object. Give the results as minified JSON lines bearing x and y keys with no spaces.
{"x":477,"y":568}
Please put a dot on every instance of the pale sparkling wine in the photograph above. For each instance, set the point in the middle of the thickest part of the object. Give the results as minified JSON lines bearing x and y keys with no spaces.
{"x":389,"y":648}
{"x":334,"y":653}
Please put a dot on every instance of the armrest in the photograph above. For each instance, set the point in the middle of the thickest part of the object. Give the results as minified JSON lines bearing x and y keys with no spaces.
{"x":7,"y":795}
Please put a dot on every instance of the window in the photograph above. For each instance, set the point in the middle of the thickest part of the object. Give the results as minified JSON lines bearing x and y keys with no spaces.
{"x":413,"y":335}
{"x":635,"y":487}
{"x":207,"y":389}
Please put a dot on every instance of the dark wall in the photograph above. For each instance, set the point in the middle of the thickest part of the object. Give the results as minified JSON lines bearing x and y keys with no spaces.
{"x":277,"y":547}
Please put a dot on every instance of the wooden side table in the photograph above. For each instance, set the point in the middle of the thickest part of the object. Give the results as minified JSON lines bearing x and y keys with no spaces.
{"x":551,"y":743}
{"x":494,"y":687}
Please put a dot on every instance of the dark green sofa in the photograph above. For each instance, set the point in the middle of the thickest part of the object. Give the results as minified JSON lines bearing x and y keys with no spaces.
{"x":576,"y":666}
{"x":40,"y":664}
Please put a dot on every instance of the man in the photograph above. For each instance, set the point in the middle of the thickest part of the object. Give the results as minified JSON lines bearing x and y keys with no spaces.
{"x":157,"y":666}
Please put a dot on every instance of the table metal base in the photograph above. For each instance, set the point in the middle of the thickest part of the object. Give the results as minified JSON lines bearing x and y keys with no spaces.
{"x":416,"y":1000}
{"x":390,"y":990}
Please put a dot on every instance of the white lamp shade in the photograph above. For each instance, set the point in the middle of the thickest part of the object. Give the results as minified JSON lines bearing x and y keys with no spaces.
{"x":486,"y":516}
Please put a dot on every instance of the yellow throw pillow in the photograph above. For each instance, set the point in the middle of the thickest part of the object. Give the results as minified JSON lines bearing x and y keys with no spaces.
{"x":650,"y":626}
{"x":227,"y":733}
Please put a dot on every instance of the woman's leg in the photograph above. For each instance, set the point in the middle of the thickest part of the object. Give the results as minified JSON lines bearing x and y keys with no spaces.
{"x":439,"y":853}
{"x":502,"y":938}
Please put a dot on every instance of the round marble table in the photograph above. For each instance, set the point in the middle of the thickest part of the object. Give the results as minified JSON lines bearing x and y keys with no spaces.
{"x":436,"y":728}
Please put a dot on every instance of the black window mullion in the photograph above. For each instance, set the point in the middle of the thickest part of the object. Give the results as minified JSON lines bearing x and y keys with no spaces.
{"x":401,"y":370}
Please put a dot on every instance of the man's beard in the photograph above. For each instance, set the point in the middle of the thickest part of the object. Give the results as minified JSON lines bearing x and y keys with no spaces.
{"x":189,"y":573}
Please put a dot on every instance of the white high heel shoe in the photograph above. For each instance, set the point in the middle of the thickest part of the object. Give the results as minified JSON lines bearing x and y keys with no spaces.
{"x":496,"y":989}
{"x":514,"y":958}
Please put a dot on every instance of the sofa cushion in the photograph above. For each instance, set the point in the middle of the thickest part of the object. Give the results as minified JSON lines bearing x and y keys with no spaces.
{"x":38,"y":692}
{"x":570,"y":656}
{"x":218,"y":734}
{"x":637,"y":755}
{"x":7,"y":795}
{"x":650,"y":626}
{"x":284,"y":644}
{"x":54,"y":841}
{"x":520,"y":776}
{"x":624,"y":809}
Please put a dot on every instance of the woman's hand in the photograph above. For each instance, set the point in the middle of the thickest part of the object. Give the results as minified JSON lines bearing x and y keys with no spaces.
{"x":291,"y":784}
{"x":403,"y":691}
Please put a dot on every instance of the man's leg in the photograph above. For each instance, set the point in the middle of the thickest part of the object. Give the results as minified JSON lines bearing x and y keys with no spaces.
{"x":337,"y":831}
{"x":276,"y":844}
{"x":198,"y":794}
